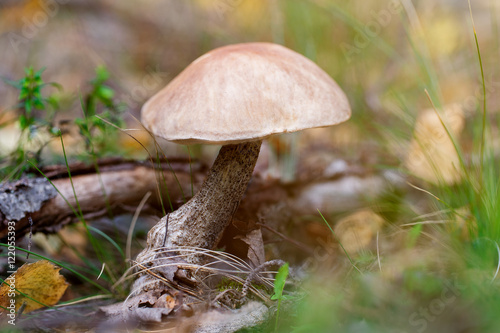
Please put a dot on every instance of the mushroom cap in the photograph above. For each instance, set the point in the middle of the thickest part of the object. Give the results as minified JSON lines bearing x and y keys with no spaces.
{"x":245,"y":92}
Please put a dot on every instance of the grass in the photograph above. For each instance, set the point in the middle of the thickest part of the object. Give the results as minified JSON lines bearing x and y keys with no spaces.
{"x":102,"y":264}
{"x":98,"y":101}
{"x":279,"y":286}
{"x":458,"y":260}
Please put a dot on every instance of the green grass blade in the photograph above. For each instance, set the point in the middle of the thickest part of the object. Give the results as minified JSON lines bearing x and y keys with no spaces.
{"x":342,"y":246}
{"x":109,"y":239}
{"x":84,"y":278}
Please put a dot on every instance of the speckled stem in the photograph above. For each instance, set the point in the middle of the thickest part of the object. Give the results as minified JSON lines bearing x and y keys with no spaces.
{"x":201,"y":221}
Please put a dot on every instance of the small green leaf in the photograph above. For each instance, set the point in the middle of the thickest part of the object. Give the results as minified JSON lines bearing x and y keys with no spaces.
{"x":23,"y":94}
{"x":102,"y":74}
{"x":413,"y":235}
{"x":27,"y":107}
{"x":105,"y":93}
{"x":15,"y":84}
{"x":38,"y":81}
{"x":97,"y":122}
{"x":55,"y":85}
{"x":39,"y":104}
{"x":23,"y":122}
{"x":53,"y":101}
{"x":39,"y":72}
{"x":279,"y":282}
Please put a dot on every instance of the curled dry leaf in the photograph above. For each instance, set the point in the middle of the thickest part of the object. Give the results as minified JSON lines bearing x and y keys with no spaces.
{"x":255,"y":254}
{"x":40,"y":281}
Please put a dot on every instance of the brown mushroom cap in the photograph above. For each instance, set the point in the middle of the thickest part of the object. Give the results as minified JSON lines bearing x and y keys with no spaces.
{"x":245,"y":92}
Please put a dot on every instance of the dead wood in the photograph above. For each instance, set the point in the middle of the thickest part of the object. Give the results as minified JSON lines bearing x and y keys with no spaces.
{"x":52,"y":204}
{"x":126,"y":182}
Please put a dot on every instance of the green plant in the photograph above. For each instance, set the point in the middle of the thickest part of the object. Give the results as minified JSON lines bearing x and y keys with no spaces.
{"x":100,"y":139}
{"x":36,"y":121}
{"x":37,"y":113}
{"x":279,"y":286}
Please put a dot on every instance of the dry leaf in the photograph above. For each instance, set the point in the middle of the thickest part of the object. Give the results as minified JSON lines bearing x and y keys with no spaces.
{"x":40,"y":280}
{"x":432,"y":155}
{"x":356,"y":231}
{"x":255,"y":253}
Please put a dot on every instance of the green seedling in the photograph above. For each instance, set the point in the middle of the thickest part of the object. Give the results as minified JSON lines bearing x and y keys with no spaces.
{"x":36,"y":122}
{"x":279,"y":286}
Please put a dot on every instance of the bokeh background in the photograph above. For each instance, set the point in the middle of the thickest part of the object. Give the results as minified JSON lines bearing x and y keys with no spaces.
{"x":384,"y":54}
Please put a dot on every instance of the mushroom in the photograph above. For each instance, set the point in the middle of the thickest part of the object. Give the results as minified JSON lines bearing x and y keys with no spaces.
{"x":235,"y":96}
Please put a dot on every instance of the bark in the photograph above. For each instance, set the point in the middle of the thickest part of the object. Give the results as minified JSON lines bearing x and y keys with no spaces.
{"x":202,"y":220}
{"x":118,"y":185}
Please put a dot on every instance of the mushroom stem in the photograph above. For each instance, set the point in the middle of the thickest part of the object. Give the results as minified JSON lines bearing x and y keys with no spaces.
{"x":201,"y":221}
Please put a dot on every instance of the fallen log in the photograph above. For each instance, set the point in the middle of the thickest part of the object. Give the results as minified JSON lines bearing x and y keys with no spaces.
{"x":57,"y":199}
{"x":120,"y":186}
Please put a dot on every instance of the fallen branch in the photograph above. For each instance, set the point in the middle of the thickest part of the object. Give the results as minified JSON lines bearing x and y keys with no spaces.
{"x":126,"y":182}
{"x":52,"y":204}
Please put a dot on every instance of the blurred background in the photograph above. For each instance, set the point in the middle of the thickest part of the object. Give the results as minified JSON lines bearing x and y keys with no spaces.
{"x":384,"y":54}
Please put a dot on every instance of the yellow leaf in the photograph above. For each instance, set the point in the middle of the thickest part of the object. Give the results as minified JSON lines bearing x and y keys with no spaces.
{"x":357,"y":231}
{"x":432,"y":155}
{"x":40,"y":281}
